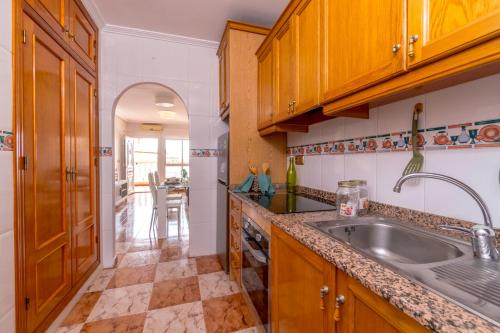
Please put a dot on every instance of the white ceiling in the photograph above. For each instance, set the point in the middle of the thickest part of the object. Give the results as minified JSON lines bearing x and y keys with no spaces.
{"x":137,"y":105}
{"x":203,"y":19}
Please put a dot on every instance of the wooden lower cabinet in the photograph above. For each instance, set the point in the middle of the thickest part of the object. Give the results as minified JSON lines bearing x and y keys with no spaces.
{"x":363,"y":311}
{"x":303,"y":287}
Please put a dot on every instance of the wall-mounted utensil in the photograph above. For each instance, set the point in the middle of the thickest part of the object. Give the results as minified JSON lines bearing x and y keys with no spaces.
{"x":417,"y":161}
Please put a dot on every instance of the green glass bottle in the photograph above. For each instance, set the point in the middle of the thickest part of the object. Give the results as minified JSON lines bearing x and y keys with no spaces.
{"x":291,"y":176}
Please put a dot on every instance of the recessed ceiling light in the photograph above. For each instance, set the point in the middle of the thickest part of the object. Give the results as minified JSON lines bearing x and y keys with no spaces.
{"x":164,"y":102}
{"x":166,"y":114}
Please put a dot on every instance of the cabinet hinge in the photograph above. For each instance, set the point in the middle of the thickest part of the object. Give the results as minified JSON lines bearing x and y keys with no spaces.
{"x":23,"y":163}
{"x":27,"y":303}
{"x":24,"y":36}
{"x":95,"y":92}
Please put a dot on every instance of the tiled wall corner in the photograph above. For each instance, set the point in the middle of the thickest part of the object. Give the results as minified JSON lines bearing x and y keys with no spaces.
{"x":460,"y":130}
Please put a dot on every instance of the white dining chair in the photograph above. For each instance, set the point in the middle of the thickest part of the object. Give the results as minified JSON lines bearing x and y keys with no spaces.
{"x":171,"y":204}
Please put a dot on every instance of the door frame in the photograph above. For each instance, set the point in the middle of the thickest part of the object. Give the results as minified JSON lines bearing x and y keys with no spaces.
{"x":19,"y":7}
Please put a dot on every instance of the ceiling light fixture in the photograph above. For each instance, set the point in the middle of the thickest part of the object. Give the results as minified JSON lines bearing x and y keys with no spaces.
{"x":164,"y":102}
{"x":166,"y":114}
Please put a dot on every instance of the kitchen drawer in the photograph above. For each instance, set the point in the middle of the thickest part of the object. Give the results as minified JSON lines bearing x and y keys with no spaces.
{"x":235,"y":266}
{"x":234,"y":204}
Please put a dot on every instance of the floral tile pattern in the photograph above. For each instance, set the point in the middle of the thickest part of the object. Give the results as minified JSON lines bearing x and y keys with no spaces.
{"x":105,"y":151}
{"x":6,"y":141}
{"x":204,"y":153}
{"x":478,"y":134}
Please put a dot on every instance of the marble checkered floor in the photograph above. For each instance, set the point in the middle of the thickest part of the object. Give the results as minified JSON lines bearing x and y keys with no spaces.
{"x":157,"y":287}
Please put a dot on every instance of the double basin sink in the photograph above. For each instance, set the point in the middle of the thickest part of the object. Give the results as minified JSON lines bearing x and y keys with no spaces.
{"x":443,"y":264}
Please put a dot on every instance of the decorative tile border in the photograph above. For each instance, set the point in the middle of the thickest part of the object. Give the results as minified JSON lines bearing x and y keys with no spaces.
{"x":204,"y":153}
{"x":479,"y":134}
{"x":6,"y":141}
{"x":105,"y":151}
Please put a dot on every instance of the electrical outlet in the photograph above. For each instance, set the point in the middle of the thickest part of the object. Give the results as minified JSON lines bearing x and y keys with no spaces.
{"x":299,"y":160}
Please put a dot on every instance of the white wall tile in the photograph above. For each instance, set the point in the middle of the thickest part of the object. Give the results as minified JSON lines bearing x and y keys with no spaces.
{"x":332,"y":171}
{"x":6,"y":192}
{"x":363,"y":166}
{"x":390,"y":167}
{"x":355,"y":128}
{"x":202,"y":205}
{"x":6,"y":25}
{"x":5,"y":88}
{"x":201,"y":64}
{"x":202,"y":239}
{"x":8,"y":322}
{"x":127,"y":52}
{"x":199,"y":132}
{"x":311,"y":171}
{"x":7,"y":290}
{"x":333,"y":129}
{"x":398,"y":116}
{"x":203,"y":173}
{"x":199,"y":99}
{"x":479,"y":169}
{"x":165,"y":59}
{"x":475,"y":100}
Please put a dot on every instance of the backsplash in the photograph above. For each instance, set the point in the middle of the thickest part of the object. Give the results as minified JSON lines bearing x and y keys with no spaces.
{"x":459,"y":136}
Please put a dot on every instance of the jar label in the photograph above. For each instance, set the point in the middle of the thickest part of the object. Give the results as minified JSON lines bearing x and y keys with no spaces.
{"x":347,"y":209}
{"x":363,"y":203}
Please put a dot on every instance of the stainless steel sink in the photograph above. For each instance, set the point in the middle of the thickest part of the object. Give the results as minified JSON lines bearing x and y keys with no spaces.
{"x":443,"y":264}
{"x":394,"y":243}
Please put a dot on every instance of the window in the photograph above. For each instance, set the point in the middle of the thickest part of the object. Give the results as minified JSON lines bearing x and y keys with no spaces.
{"x":145,"y":159}
{"x":176,"y":158}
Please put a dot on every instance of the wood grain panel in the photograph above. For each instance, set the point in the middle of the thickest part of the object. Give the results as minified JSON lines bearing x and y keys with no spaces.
{"x":83,"y":182}
{"x":306,"y":25}
{"x":245,"y":143}
{"x":297,"y":277}
{"x":266,"y":89}
{"x":54,"y":12}
{"x":444,"y":27}
{"x":45,"y":145}
{"x":358,"y":37}
{"x":284,"y":66}
{"x":83,"y":35}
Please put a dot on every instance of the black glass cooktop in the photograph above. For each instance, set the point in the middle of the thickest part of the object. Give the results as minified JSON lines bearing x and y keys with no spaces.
{"x":285,"y":203}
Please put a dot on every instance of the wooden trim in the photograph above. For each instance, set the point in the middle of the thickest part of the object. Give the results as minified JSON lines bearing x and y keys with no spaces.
{"x":241,"y":26}
{"x":473,"y":63}
{"x":362,"y":111}
{"x":283,"y":128}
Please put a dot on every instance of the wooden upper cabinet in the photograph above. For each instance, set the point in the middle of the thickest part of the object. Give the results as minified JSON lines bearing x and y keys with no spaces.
{"x":437,"y":28}
{"x":54,"y":12}
{"x":303,"y":287}
{"x":284,"y":65}
{"x":364,"y":311}
{"x":265,"y":89}
{"x":82,"y":34}
{"x":45,"y":145}
{"x":363,"y":44}
{"x":223,"y":54}
{"x":306,"y":25}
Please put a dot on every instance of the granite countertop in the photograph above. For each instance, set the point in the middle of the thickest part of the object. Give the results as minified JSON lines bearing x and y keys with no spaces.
{"x":424,"y":305}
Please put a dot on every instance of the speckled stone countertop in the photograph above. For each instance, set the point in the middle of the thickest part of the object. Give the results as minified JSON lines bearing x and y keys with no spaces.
{"x":424,"y":305}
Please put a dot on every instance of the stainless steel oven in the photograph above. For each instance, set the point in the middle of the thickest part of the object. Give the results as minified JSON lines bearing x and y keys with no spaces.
{"x":256,"y":269}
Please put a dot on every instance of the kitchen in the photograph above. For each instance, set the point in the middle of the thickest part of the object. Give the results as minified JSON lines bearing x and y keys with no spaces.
{"x":343,"y":169}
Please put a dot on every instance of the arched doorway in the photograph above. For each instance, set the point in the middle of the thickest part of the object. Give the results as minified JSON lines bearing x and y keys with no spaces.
{"x":153,"y":118}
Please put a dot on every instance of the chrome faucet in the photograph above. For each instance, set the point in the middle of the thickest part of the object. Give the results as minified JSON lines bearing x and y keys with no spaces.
{"x":483,"y":236}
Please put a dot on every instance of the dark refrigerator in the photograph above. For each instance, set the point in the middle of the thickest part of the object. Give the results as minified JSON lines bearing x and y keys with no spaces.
{"x":222,"y":200}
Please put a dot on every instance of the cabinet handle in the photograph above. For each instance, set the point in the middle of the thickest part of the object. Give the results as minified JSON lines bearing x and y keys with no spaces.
{"x":395,"y":48}
{"x":68,"y":174}
{"x":339,"y":300}
{"x":289,"y":106}
{"x":411,"y":45}
{"x":293,"y":105}
{"x":322,"y":294}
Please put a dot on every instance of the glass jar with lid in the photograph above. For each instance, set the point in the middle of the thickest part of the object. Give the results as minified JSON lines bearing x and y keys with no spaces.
{"x":363,"y":196}
{"x":347,"y":199}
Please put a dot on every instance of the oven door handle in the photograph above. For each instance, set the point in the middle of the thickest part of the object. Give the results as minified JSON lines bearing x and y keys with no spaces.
{"x":258,"y":255}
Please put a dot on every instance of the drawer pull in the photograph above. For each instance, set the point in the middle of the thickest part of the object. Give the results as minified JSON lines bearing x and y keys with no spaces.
{"x":322,"y":294}
{"x":339,"y":300}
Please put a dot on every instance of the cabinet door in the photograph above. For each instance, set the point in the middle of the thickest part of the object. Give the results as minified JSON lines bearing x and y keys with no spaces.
{"x":361,"y":41}
{"x":298,"y":276}
{"x":363,"y":311}
{"x":84,"y":249}
{"x":443,"y":27}
{"x":54,"y":12}
{"x":45,"y":145}
{"x":223,"y":76}
{"x":265,"y":92}
{"x":82,"y":34}
{"x":284,"y":68}
{"x":307,"y":35}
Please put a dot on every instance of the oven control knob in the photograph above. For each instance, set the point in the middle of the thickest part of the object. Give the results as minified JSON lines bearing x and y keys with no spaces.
{"x":246,"y":225}
{"x":258,"y":237}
